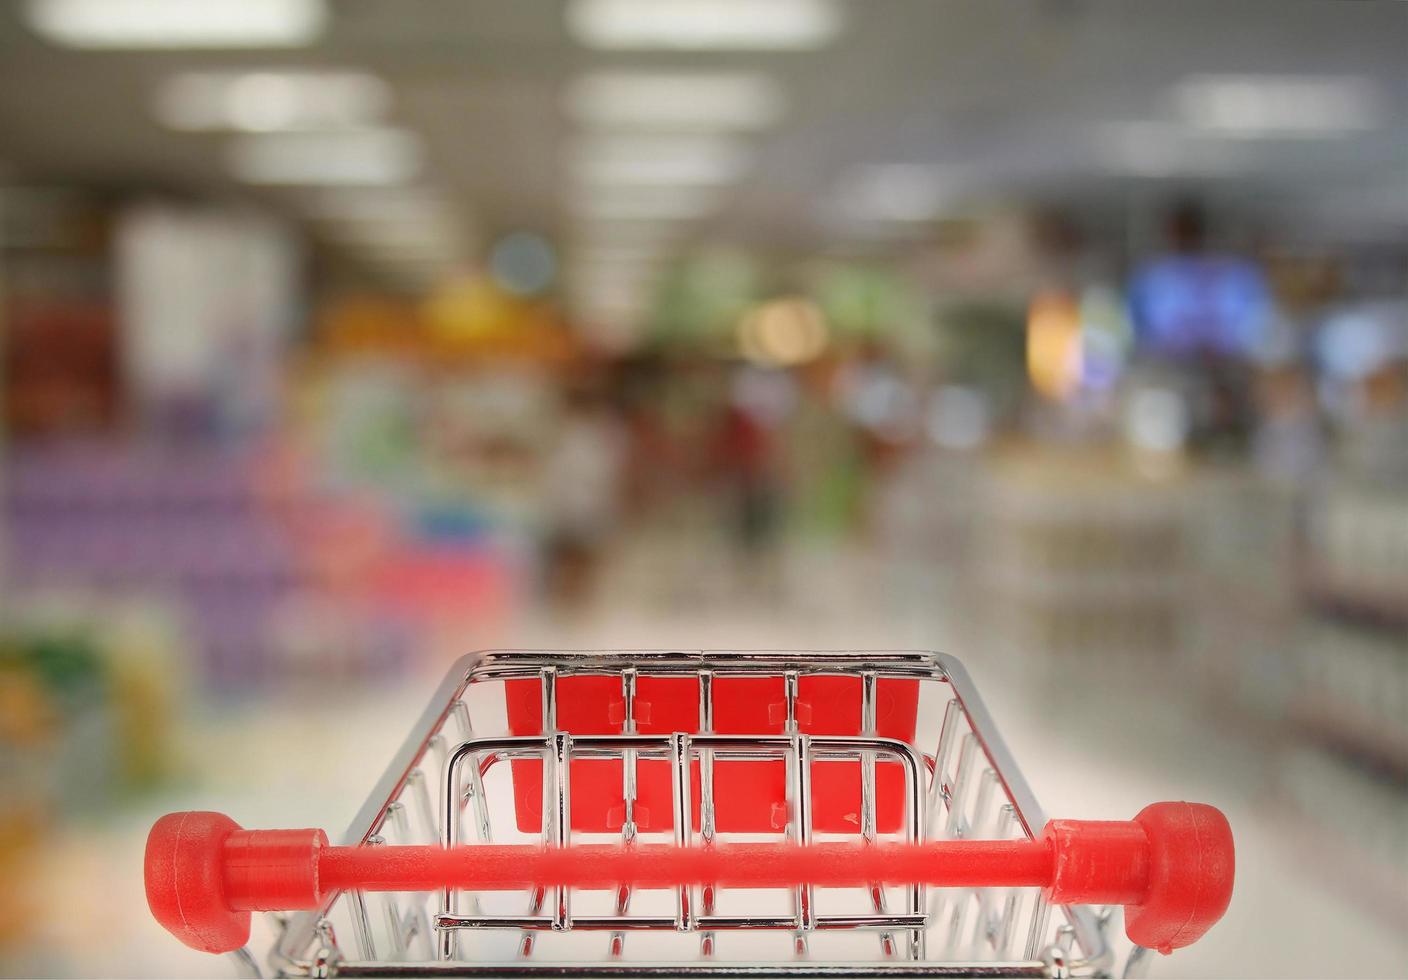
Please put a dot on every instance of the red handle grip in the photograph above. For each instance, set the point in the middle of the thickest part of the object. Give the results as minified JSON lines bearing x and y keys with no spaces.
{"x":1171,"y":867}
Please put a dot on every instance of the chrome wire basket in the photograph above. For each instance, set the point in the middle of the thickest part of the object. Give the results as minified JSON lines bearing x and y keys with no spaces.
{"x":858,"y":746}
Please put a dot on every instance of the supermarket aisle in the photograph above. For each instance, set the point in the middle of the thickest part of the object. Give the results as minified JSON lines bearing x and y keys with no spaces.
{"x":338,"y":339}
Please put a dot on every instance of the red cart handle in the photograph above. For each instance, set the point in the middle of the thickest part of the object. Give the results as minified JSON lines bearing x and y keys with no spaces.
{"x":1171,"y":867}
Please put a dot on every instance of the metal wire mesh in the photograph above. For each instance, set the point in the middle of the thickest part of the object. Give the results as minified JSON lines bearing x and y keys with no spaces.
{"x":452,"y":785}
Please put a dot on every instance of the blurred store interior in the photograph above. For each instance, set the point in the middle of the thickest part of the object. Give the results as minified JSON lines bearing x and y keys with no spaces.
{"x":339,"y":339}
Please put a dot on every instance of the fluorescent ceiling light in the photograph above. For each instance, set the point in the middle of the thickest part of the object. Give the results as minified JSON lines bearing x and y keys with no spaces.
{"x":403,"y":225}
{"x":1277,"y":105}
{"x":265,"y":101}
{"x":698,"y":25}
{"x":659,"y":160}
{"x":361,"y":156}
{"x":176,"y":23}
{"x":675,"y":100}
{"x":657,"y":203}
{"x":1142,"y":148}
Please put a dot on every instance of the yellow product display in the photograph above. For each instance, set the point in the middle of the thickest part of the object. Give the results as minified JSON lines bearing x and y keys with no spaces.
{"x":367,"y":324}
{"x":144,"y":680}
{"x":21,"y":850}
{"x":27,"y":715}
{"x":473,"y":317}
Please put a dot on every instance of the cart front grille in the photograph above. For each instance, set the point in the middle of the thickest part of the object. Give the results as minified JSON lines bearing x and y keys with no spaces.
{"x":470,"y":775}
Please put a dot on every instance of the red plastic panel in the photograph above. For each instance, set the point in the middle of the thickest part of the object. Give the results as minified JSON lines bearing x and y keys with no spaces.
{"x":586,"y":705}
{"x":748,"y":796}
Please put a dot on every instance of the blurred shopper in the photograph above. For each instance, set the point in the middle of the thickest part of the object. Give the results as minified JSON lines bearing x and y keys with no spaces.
{"x":584,"y":475}
{"x":1289,"y":444}
{"x":1208,"y":314}
{"x":882,"y":408}
{"x":826,"y":457}
{"x":1362,"y":355}
{"x":748,"y":451}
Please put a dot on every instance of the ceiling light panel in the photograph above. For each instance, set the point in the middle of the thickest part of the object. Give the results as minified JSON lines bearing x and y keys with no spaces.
{"x":353,"y":157}
{"x":268,"y":101}
{"x":1146,"y":148}
{"x":1277,"y":105}
{"x":662,"y":204}
{"x":704,"y":25}
{"x":680,"y":101}
{"x":150,"y":24}
{"x":635,"y":160}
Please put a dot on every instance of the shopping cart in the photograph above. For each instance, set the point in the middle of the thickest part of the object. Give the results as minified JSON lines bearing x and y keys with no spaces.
{"x":709,"y":814}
